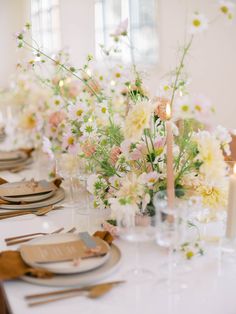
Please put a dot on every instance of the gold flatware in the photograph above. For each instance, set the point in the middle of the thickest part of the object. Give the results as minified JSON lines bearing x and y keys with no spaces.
{"x":93,"y":292}
{"x":33,"y":236}
{"x":38,"y":212}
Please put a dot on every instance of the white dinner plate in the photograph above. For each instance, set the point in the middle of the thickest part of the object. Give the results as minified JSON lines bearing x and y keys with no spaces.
{"x":67,"y":267}
{"x":81,"y":279}
{"x":58,"y":196}
{"x":29,"y":198}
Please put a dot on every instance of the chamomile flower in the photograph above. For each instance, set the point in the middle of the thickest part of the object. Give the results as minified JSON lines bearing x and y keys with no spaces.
{"x":103,"y":108}
{"x":202,"y":108}
{"x":183,"y":108}
{"x":227,"y":8}
{"x":198,"y":23}
{"x":77,"y":111}
{"x":89,"y":128}
{"x":69,"y":142}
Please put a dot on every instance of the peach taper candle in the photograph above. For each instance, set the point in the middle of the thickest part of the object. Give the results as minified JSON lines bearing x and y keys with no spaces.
{"x":231,"y":216}
{"x":170,"y":158}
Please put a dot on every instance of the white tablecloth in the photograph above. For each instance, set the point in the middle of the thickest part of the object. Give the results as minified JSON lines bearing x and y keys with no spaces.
{"x":210,"y":286}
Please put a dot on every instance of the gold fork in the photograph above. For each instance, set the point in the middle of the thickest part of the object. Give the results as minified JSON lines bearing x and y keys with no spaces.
{"x":28,"y":237}
{"x":39,"y":212}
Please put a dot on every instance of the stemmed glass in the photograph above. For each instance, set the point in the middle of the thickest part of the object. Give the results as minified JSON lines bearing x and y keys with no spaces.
{"x":176,"y":231}
{"x":137,"y":228}
{"x":67,"y":168}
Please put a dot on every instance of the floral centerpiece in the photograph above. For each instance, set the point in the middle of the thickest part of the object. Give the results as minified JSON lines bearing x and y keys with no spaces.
{"x":119,"y":130}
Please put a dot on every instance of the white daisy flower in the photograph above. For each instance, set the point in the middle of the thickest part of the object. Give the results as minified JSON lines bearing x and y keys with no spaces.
{"x":183,"y":108}
{"x":102,"y":109}
{"x":77,"y":111}
{"x":89,"y":128}
{"x":198,"y":23}
{"x":227,"y":8}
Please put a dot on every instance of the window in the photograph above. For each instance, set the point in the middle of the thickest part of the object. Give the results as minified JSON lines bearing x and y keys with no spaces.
{"x":142,"y":45}
{"x":45,"y":24}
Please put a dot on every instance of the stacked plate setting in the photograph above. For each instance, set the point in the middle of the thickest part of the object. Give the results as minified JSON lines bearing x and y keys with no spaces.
{"x":29,"y":195}
{"x":67,"y":274}
{"x":13,"y":159}
{"x":2,"y":134}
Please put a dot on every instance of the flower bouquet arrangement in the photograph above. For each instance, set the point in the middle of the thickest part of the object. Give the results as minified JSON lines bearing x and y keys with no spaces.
{"x":111,"y":122}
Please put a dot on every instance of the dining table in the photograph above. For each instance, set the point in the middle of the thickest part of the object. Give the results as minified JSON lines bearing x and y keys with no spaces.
{"x":208,"y":287}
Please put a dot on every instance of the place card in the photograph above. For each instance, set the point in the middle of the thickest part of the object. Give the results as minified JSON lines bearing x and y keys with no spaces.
{"x":23,"y":188}
{"x":87,"y":239}
{"x":61,"y":252}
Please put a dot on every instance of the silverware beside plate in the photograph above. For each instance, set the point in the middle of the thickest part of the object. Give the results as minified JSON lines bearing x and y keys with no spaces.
{"x":92,"y":292}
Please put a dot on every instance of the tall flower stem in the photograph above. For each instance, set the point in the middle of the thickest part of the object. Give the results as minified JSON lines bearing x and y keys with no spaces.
{"x":149,"y":152}
{"x":179,"y":70}
{"x":63,"y":67}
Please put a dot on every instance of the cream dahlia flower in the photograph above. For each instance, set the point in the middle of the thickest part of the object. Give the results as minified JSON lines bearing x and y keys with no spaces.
{"x":137,"y":120}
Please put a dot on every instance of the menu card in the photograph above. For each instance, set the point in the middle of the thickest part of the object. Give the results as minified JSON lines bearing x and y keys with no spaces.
{"x":26,"y":188}
{"x":61,"y":252}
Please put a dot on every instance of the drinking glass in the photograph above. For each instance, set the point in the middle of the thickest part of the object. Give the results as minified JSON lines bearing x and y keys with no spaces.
{"x":67,"y":168}
{"x":177,"y":232}
{"x":137,"y":229}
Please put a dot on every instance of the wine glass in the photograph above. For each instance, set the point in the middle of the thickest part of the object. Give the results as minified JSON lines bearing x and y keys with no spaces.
{"x":177,"y":233}
{"x":137,"y":228}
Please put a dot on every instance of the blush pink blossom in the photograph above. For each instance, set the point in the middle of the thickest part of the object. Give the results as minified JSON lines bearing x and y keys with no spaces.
{"x":114,"y":155}
{"x":73,"y":89}
{"x":139,"y":152}
{"x":56,"y":118}
{"x":88,"y":148}
{"x":159,"y":143}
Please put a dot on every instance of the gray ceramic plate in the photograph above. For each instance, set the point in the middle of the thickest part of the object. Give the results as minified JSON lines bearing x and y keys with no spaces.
{"x":82,"y":279}
{"x":67,"y":267}
{"x":58,"y":196}
{"x":29,"y":198}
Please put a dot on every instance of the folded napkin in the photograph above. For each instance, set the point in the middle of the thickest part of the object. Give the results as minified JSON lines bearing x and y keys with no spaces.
{"x":2,"y":181}
{"x":12,"y":265}
{"x":105,"y":236}
{"x":27,"y":151}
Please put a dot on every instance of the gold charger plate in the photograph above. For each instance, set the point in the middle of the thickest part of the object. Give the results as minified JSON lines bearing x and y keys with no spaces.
{"x":82,"y":279}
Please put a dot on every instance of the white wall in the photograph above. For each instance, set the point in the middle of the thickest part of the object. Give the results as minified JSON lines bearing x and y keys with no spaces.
{"x":77,"y":28}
